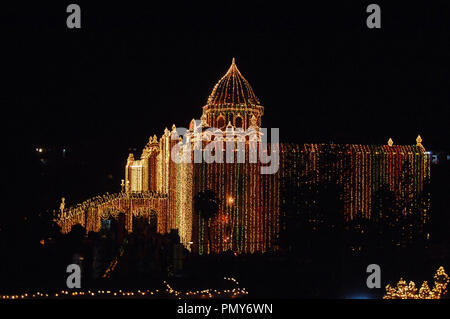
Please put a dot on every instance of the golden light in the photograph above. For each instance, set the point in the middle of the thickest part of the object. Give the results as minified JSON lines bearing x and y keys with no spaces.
{"x":409,"y":291}
{"x":155,"y":184}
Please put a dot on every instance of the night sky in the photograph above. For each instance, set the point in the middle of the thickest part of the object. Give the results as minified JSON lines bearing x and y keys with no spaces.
{"x":132,"y":70}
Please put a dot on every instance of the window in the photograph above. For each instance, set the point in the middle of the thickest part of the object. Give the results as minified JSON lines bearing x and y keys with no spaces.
{"x":238,"y":121}
{"x":221,"y":122}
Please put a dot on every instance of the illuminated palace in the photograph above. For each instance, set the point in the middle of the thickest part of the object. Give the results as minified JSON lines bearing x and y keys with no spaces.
{"x":248,"y":219}
{"x":250,"y":211}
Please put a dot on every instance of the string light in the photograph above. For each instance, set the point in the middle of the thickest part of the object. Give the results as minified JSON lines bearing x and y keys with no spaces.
{"x":168,"y":292}
{"x":248,"y":219}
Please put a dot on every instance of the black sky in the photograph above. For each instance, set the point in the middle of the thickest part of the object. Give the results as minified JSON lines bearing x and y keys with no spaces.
{"x":136,"y":68}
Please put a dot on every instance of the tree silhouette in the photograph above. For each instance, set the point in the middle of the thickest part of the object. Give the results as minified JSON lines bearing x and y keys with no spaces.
{"x":313,"y":201}
{"x":206,"y":205}
{"x":385,"y":212}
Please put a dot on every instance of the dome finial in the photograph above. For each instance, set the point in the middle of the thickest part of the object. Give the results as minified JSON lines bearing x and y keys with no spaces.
{"x":419,"y":140}
{"x":390,"y":142}
{"x":233,"y":62}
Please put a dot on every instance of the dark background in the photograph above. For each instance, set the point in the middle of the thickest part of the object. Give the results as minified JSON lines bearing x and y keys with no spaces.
{"x":135,"y":68}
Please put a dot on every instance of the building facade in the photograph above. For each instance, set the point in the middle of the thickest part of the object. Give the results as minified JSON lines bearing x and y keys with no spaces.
{"x":250,"y":203}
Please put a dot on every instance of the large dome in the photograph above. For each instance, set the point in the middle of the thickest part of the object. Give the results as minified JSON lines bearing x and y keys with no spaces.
{"x":233,"y":90}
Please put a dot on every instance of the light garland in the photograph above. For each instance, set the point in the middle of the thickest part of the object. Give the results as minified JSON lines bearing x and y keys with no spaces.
{"x":168,"y":292}
{"x":251,"y":221}
{"x":113,"y":264}
{"x":90,"y":212}
{"x":362,"y":170}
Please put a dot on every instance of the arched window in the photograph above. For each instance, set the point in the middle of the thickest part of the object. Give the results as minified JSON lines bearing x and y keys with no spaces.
{"x":238,"y":121}
{"x":221,"y":122}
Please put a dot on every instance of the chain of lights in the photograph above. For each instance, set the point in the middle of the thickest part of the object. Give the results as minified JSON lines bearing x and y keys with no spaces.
{"x":248,"y":218}
{"x":113,"y":264}
{"x":89,"y":213}
{"x":167,"y":292}
{"x":184,"y":197}
{"x":362,"y":170}
{"x":403,"y":290}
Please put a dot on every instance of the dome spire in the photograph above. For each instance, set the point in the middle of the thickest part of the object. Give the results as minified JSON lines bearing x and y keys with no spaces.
{"x":233,"y":90}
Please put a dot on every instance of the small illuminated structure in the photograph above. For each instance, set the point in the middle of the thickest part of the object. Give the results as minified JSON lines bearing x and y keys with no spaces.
{"x":403,"y":290}
{"x":390,"y":142}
